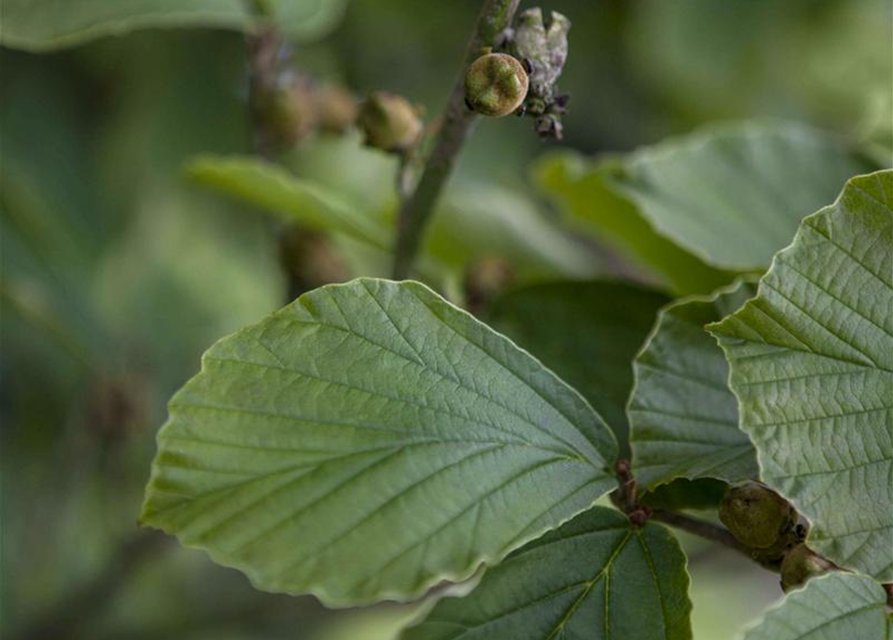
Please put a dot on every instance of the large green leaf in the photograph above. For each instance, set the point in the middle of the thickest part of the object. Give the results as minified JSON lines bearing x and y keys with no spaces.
{"x":278,"y":191}
{"x":683,"y":417}
{"x":811,"y":362}
{"x":581,"y":188}
{"x":837,"y":605}
{"x":682,"y":209}
{"x":42,"y":25}
{"x":368,"y":441}
{"x":734,"y":195}
{"x":587,"y":332}
{"x":594,"y":578}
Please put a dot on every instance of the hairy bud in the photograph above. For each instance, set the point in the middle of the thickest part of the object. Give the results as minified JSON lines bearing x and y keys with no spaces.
{"x":289,"y":112}
{"x":336,"y":108}
{"x":495,"y":84}
{"x":389,"y":122}
{"x":800,"y":564}
{"x":757,"y":516}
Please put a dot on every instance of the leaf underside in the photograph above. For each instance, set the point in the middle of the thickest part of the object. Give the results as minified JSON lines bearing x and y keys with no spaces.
{"x":683,"y":416}
{"x":368,"y":441}
{"x":811,"y":361}
{"x":837,"y":605}
{"x":595,"y":578}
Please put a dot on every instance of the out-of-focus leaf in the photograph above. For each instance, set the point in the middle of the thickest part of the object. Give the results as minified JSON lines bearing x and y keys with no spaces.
{"x":811,"y":360}
{"x":596,"y":577}
{"x":734,"y":195}
{"x":581,"y":188}
{"x":683,"y":416}
{"x":588,"y":333}
{"x":372,"y":426}
{"x":477,"y":222}
{"x":837,"y":605}
{"x":277,"y":191}
{"x":42,"y":25}
{"x":692,"y":201}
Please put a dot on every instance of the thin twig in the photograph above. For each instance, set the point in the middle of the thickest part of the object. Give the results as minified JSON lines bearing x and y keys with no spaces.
{"x":700,"y":528}
{"x":415,"y":210}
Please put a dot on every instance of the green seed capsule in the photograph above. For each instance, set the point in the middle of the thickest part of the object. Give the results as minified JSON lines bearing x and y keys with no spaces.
{"x":757,"y":516}
{"x":495,"y":84}
{"x":390,"y":122}
{"x":799,"y":565}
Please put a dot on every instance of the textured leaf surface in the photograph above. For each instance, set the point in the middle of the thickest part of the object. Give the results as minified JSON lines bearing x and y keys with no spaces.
{"x":41,"y":25}
{"x":837,"y":606}
{"x":812,"y":365}
{"x":581,"y":188}
{"x":369,"y":440}
{"x":734,"y":196}
{"x":278,"y":191}
{"x":684,"y":417}
{"x":595,"y":578}
{"x":587,"y":332}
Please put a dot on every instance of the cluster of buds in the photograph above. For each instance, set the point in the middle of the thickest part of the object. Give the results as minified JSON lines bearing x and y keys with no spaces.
{"x":523,"y":78}
{"x":542,"y":47}
{"x":298,"y":106}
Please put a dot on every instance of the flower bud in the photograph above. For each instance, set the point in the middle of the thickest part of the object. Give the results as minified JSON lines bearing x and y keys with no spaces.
{"x":757,"y":516}
{"x":800,"y":564}
{"x":336,"y":108}
{"x":289,"y":113}
{"x":495,"y":84}
{"x":389,"y":122}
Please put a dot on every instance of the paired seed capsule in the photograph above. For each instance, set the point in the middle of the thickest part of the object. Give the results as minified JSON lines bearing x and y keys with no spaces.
{"x":496,"y":84}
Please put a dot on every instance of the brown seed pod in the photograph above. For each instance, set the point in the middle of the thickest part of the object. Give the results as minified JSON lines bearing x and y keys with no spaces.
{"x":496,"y":84}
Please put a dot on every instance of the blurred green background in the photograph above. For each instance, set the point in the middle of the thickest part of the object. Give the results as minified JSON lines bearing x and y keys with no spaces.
{"x":118,"y":273}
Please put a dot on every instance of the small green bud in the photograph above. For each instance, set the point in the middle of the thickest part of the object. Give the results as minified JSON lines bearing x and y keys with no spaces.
{"x":757,"y":516}
{"x":495,"y":84}
{"x":336,"y":108}
{"x":389,"y":122}
{"x":288,"y":112}
{"x":800,"y":564}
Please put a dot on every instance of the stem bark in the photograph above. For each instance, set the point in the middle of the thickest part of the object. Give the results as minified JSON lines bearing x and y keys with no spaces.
{"x":416,"y":209}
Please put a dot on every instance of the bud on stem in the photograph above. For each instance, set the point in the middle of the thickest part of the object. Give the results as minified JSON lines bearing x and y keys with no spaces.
{"x":495,"y":85}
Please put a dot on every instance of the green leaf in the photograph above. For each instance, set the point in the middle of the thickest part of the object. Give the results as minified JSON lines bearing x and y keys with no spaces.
{"x":734,"y":195}
{"x":836,"y":605}
{"x":477,"y":221}
{"x":595,"y":578}
{"x":811,"y":361}
{"x":703,"y":493}
{"x":276,"y":190}
{"x":368,"y":441}
{"x":44,"y":25}
{"x":683,"y":417}
{"x":587,"y":332}
{"x":582,"y":190}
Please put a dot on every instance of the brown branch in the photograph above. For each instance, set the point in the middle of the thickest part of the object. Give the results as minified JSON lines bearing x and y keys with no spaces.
{"x":700,"y":528}
{"x":416,"y":210}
